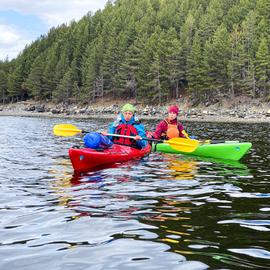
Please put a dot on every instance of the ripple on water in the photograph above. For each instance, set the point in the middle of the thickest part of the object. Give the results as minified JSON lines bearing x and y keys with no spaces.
{"x":253,"y":252}
{"x":163,"y":212}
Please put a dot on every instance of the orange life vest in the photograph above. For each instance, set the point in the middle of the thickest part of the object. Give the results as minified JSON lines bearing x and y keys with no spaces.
{"x":172,"y":131}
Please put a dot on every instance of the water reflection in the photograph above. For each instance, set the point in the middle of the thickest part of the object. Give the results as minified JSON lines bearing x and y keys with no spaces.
{"x":96,"y":193}
{"x":154,"y":213}
{"x":174,"y":211}
{"x":182,"y":169}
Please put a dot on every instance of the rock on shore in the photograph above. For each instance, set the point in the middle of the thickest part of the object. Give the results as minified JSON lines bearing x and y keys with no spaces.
{"x":247,"y":111}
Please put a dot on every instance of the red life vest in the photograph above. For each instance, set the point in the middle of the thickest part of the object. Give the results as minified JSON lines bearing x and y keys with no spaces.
{"x":128,"y":130}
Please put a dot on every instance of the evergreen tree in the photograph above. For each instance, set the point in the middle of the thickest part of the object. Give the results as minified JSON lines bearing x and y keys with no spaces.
{"x":35,"y":82}
{"x":211,"y":19}
{"x":92,"y":74}
{"x":186,"y":37}
{"x":263,"y":68}
{"x":196,"y":70}
{"x":217,"y":55}
{"x":150,"y":68}
{"x":250,"y":42}
{"x":60,"y":70}
{"x":15,"y":83}
{"x":174,"y":71}
{"x":65,"y":88}
{"x":237,"y":63}
{"x":49,"y":73}
{"x":3,"y":85}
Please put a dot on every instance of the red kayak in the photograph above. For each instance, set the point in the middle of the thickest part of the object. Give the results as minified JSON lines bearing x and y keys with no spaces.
{"x":84,"y":159}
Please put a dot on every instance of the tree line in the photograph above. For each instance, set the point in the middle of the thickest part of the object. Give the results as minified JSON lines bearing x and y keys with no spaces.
{"x":149,"y":50}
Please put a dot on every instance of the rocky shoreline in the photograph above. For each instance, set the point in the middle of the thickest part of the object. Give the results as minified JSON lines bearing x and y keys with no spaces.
{"x":251,"y":111}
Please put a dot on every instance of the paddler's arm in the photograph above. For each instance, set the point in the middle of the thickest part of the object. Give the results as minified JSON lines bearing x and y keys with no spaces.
{"x":141,"y":132}
{"x":111,"y":130}
{"x":181,"y":130}
{"x":160,"y":129}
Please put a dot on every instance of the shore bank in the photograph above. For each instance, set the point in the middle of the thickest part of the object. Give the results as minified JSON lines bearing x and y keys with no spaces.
{"x":243,"y":112}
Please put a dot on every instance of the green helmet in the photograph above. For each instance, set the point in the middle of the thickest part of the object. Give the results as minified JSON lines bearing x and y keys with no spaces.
{"x":128,"y":108}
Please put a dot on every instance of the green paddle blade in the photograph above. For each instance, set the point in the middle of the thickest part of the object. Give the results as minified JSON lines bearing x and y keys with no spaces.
{"x":66,"y":130}
{"x":183,"y":144}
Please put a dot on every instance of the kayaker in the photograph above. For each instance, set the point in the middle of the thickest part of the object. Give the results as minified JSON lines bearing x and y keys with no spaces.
{"x":170,"y":127}
{"x":127,"y":123}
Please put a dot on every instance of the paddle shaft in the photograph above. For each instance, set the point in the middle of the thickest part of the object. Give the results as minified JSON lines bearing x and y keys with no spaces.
{"x":161,"y":141}
{"x":187,"y":146}
{"x":132,"y":137}
{"x":126,"y":136}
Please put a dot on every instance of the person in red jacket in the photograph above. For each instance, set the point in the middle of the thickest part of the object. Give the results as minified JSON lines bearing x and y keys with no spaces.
{"x":170,"y":128}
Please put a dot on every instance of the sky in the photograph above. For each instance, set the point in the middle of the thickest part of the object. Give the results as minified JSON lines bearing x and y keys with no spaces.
{"x":23,"y":21}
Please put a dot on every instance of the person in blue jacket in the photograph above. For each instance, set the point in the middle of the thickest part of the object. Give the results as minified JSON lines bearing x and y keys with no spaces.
{"x":127,"y":123}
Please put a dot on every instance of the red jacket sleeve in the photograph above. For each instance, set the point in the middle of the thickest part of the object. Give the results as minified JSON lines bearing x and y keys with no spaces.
{"x":161,"y":128}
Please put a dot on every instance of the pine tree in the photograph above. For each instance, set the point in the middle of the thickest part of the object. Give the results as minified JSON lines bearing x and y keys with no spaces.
{"x":216,"y":55}
{"x":35,"y":82}
{"x":186,"y":37}
{"x":211,"y":19}
{"x":60,"y":70}
{"x":49,"y":73}
{"x":250,"y":43}
{"x":111,"y":64}
{"x":150,"y":69}
{"x":196,"y":71}
{"x":15,"y":83}
{"x":65,"y":88}
{"x":263,"y":68}
{"x":237,"y":65}
{"x":174,"y":71}
{"x":3,"y":85}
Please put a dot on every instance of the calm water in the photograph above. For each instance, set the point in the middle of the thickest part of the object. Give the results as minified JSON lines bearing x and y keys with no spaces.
{"x":164,"y":212}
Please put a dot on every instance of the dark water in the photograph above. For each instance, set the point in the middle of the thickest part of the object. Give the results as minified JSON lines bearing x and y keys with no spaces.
{"x":164,"y":212}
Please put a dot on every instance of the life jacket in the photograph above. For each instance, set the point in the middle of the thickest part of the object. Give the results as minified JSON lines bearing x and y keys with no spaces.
{"x":128,"y":130}
{"x":172,"y":130}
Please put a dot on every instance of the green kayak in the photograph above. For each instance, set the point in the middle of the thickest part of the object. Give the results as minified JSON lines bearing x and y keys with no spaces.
{"x":232,"y":150}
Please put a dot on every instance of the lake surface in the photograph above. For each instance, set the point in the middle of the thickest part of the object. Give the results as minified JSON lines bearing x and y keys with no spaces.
{"x":163,"y":212}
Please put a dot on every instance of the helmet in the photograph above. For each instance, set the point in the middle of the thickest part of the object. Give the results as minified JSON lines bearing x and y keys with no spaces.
{"x":128,"y":108}
{"x":173,"y":109}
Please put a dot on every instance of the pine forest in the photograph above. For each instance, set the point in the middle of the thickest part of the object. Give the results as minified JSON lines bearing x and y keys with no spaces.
{"x":149,"y":50}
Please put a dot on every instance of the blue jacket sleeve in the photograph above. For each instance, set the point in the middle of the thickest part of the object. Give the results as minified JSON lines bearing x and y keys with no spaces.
{"x":141,"y":131}
{"x":111,"y":130}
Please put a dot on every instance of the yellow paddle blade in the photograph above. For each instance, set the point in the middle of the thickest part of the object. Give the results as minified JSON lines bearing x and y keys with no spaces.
{"x":183,"y":144}
{"x":65,"y":130}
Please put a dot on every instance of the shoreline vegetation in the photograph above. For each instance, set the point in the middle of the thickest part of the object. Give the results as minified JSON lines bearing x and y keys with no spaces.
{"x":237,"y":111}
